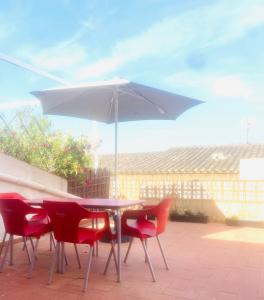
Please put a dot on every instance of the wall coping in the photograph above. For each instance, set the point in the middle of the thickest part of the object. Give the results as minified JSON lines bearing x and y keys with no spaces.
{"x":34,"y":185}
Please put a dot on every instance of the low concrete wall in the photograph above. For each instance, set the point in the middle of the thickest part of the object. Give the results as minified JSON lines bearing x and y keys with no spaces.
{"x":31,"y":182}
{"x":19,"y":169}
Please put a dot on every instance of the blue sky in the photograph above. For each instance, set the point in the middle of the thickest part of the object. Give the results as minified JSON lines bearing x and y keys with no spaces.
{"x":209,"y":50}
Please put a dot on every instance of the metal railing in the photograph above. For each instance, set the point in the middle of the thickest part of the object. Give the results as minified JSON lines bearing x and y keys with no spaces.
{"x":95,"y":185}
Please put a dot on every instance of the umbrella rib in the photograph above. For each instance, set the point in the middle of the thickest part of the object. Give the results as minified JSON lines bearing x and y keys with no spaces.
{"x":161,"y":110}
{"x":111,"y":106}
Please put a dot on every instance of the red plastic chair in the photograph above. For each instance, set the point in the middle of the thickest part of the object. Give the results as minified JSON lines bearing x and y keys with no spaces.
{"x":65,"y":219}
{"x":14,"y":213}
{"x":34,"y":217}
{"x":8,"y":196}
{"x":143,"y":228}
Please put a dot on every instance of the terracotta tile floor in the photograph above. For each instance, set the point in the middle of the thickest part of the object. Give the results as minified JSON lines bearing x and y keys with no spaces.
{"x":207,"y":262}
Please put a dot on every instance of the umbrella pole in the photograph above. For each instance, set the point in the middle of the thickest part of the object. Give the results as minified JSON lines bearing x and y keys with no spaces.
{"x":116,"y":139}
{"x":118,"y":212}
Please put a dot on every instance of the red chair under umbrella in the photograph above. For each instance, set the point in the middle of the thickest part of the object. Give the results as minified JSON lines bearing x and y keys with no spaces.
{"x":15,"y":214}
{"x":35,"y":217}
{"x":8,"y":196}
{"x":65,"y":219}
{"x":143,"y":228}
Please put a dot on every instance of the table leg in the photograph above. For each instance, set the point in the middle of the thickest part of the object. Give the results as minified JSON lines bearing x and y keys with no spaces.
{"x":118,"y":219}
{"x":93,"y":224}
{"x":96,"y":244}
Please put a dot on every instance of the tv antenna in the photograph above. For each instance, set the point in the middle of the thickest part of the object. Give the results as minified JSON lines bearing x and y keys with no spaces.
{"x":248,"y":123}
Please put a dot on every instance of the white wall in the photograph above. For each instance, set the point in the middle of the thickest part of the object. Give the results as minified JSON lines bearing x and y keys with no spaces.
{"x":252,"y":169}
{"x":31,"y":182}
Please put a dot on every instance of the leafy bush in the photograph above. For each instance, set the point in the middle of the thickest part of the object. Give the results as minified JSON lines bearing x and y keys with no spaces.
{"x":32,"y":139}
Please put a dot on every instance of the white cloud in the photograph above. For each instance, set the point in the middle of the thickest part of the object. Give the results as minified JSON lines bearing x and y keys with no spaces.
{"x":66,"y":54}
{"x":207,"y":26}
{"x":6,"y":28}
{"x":56,"y":58}
{"x":235,"y":86}
{"x":231,"y":86}
{"x":15,"y":104}
{"x":228,"y":21}
{"x":99,"y":68}
{"x":89,"y":23}
{"x":4,"y":31}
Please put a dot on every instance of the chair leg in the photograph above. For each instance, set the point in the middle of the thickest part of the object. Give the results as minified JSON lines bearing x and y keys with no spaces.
{"x":97,"y":249}
{"x":87,"y":272}
{"x":5,"y":255}
{"x":146,"y":244}
{"x":3,"y":242}
{"x":128,"y":249}
{"x":58,"y":245}
{"x":54,"y":246}
{"x":34,"y":256}
{"x":149,"y":263}
{"x":11,"y":262}
{"x":26,"y":247}
{"x":112,"y":252}
{"x":53,"y":263}
{"x":77,"y":255}
{"x":108,"y":261}
{"x":62,"y":256}
{"x":51,"y":241}
{"x":32,"y":245}
{"x":162,"y":252}
{"x":65,"y":258}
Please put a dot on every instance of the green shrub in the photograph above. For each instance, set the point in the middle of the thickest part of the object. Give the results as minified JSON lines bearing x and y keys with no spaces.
{"x":33,"y":140}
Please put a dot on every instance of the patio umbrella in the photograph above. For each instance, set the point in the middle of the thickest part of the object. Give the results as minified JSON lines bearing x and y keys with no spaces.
{"x":114,"y":101}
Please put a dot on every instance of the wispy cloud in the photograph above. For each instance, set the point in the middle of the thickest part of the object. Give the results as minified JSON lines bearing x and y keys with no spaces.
{"x":231,"y":86}
{"x":16,"y":104}
{"x":62,"y":56}
{"x":217,"y":86}
{"x":203,"y":27}
{"x":12,"y":15}
{"x":7,"y":28}
{"x":209,"y":26}
{"x":57,"y":58}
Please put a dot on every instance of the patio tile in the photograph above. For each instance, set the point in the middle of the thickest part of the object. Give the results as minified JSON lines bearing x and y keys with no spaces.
{"x":226,"y":296}
{"x":207,"y":262}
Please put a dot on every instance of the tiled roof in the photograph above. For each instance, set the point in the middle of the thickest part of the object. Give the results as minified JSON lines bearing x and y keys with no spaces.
{"x":196,"y":159}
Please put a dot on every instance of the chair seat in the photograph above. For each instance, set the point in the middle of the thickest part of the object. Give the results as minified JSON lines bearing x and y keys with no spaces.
{"x":143,"y":229}
{"x":39,"y":218}
{"x":36,"y":229}
{"x":89,"y":235}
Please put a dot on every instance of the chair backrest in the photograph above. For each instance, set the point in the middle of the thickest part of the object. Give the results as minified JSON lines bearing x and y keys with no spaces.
{"x":14,"y":213}
{"x":12,"y":196}
{"x":162,"y":211}
{"x":65,"y":218}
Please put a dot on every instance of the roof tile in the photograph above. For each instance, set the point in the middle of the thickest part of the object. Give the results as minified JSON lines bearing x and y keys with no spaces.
{"x":195,"y":159}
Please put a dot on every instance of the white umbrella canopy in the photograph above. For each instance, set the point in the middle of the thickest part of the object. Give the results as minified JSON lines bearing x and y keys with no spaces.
{"x":114,"y":101}
{"x":96,"y":101}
